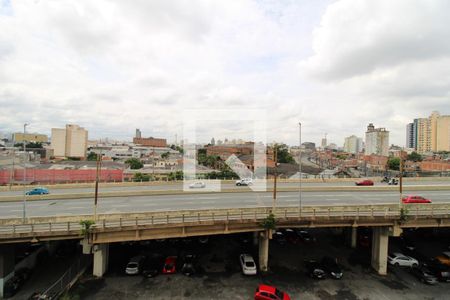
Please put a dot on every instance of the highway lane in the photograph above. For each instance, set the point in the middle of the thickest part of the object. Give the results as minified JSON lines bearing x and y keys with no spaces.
{"x":179,"y":186}
{"x":204,"y":201}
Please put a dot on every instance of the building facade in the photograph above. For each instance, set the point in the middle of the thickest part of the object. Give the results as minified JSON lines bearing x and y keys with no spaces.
{"x":70,"y":141}
{"x":30,"y":137}
{"x":377,"y":141}
{"x":353,"y":144}
{"x":150,"y":142}
{"x":411,"y":136}
{"x":431,"y":134}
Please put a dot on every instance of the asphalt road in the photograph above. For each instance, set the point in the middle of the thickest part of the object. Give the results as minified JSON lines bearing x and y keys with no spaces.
{"x":203,"y":201}
{"x":178,"y":187}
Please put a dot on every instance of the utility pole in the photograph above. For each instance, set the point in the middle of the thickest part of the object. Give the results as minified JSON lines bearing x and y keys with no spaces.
{"x":274,"y":179}
{"x":300,"y":166}
{"x":99,"y":157}
{"x":24,"y":202}
{"x":401,"y":178}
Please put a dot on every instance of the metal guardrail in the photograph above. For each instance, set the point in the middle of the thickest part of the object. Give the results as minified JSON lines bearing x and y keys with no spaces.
{"x":105,"y":222}
{"x":67,"y":279}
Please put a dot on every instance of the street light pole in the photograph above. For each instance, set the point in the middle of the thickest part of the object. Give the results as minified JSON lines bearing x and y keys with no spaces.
{"x":401,"y":178}
{"x":274,"y":199}
{"x":300,"y":166}
{"x":24,"y":202}
{"x":99,"y":157}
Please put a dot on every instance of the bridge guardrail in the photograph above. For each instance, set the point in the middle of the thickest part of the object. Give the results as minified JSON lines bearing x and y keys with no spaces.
{"x":71,"y":226}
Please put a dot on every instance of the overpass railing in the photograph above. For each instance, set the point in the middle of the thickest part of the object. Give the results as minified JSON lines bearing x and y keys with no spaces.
{"x":70,"y":225}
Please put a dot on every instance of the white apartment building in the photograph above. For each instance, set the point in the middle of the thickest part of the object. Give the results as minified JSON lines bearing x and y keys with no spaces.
{"x":353,"y":144}
{"x":377,"y":141}
{"x":70,"y":141}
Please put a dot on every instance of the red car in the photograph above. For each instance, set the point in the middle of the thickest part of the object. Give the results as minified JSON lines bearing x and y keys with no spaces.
{"x":415,"y":199}
{"x":267,"y":292}
{"x":365,"y":182}
{"x":170,"y":265}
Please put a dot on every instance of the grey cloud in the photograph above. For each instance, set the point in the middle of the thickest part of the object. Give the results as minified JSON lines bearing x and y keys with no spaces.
{"x":357,"y":38}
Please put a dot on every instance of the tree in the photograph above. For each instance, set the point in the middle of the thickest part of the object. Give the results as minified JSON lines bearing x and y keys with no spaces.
{"x":283,"y":155}
{"x":414,"y":156}
{"x":31,"y":145}
{"x":92,"y":156}
{"x":141,"y":177}
{"x":165,"y":155}
{"x":394,"y":163}
{"x":134,"y":163}
{"x":178,"y":175}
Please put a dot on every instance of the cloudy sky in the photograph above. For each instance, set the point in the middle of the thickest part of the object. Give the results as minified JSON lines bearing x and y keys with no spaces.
{"x":113,"y":66}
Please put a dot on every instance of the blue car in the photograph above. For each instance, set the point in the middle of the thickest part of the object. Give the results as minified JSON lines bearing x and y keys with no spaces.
{"x":38,"y":191}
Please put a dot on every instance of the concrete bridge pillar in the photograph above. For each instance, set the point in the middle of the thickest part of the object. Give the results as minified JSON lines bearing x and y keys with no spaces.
{"x":6,"y":265}
{"x":353,"y":237}
{"x":380,"y":241}
{"x":101,"y":258}
{"x":264,"y":251}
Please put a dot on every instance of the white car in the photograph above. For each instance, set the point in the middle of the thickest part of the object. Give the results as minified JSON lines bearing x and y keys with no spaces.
{"x":247,"y":264}
{"x":134,"y":265}
{"x":399,"y":259}
{"x":244,"y":181}
{"x":197,"y":185}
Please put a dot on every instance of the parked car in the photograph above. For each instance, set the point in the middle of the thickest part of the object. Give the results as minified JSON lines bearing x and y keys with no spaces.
{"x":407,"y":244}
{"x":152,"y":265}
{"x":134,"y":266}
{"x":244,"y":181}
{"x":424,"y":274}
{"x":197,"y":185}
{"x":188,"y":267}
{"x":248,"y":265}
{"x":444,"y":258}
{"x":364,"y":237}
{"x":203,"y":240}
{"x":305,"y":236}
{"x":442,"y":272}
{"x":267,"y":292}
{"x":279,"y":237}
{"x":38,"y":191}
{"x":364,"y":182}
{"x":332,"y":268}
{"x":170,"y":265}
{"x":315,"y":269}
{"x":291,"y":236}
{"x":393,"y":181}
{"x":415,"y":199}
{"x":399,"y":259}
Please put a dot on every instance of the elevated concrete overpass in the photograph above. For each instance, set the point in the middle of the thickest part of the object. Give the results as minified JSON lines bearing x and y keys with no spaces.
{"x":133,"y":215}
{"x":384,"y":219}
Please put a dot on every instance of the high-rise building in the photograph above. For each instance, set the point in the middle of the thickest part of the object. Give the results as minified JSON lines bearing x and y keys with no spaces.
{"x":138,"y":133}
{"x":70,"y":141}
{"x":324,"y":142}
{"x":377,"y":141}
{"x":353,"y":144}
{"x":433,"y":133}
{"x":411,"y":136}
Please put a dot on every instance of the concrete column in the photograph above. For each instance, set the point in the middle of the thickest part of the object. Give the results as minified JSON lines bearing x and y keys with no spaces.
{"x":380,"y":241}
{"x":6,"y":265}
{"x":255,"y":240}
{"x":354,"y":236}
{"x":101,"y":258}
{"x":264,"y":251}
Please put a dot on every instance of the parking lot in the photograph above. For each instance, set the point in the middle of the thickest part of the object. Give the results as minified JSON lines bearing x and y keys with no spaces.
{"x":218,"y":272}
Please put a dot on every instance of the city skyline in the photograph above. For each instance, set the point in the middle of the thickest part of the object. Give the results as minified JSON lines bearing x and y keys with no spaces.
{"x":296,"y":60}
